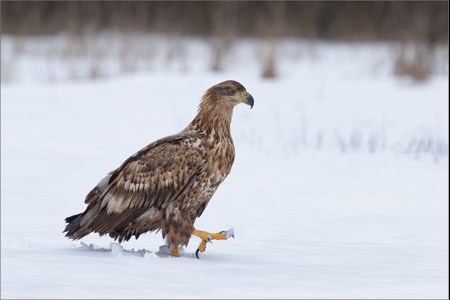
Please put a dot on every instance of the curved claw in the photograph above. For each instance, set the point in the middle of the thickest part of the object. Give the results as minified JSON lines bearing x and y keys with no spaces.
{"x":228,"y":233}
{"x":207,"y":237}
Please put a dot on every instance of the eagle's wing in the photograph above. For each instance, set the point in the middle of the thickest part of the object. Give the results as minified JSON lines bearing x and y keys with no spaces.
{"x":152,"y":178}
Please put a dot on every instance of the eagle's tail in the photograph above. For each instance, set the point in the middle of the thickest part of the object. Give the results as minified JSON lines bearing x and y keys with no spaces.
{"x":73,"y":227}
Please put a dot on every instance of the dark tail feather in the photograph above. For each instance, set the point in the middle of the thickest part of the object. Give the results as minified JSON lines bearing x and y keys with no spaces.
{"x":73,"y":226}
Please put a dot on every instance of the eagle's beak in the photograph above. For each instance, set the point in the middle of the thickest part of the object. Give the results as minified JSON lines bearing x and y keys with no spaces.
{"x":246,"y":98}
{"x":249,"y":100}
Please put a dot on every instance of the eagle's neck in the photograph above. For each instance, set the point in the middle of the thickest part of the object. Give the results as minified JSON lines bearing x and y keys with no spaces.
{"x":214,"y":119}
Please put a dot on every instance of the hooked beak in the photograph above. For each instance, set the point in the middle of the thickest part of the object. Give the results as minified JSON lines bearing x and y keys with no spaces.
{"x":249,"y":100}
{"x":246,"y":98}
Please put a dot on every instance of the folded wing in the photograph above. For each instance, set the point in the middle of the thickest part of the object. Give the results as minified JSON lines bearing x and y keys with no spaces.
{"x":152,"y":178}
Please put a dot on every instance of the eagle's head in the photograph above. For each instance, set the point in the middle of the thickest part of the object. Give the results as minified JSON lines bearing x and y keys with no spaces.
{"x":216,"y":108}
{"x":229,"y":92}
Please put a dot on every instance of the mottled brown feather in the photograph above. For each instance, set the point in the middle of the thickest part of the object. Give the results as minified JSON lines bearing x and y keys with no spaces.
{"x":167,"y":184}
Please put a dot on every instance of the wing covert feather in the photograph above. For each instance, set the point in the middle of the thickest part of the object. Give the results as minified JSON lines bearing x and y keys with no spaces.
{"x":153,"y":177}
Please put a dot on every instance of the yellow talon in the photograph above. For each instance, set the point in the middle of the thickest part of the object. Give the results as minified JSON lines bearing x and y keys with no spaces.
{"x":175,"y":251}
{"x":207,"y":237}
{"x":202,"y":246}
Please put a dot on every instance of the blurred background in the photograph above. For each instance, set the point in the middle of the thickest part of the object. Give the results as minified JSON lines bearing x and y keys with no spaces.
{"x":419,"y":21}
{"x":339,"y":188}
{"x":416,"y":28}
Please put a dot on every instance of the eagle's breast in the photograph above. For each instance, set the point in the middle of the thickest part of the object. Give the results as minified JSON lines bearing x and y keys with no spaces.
{"x":220,"y":151}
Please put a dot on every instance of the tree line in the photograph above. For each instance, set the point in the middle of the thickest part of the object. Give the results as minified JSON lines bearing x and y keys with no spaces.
{"x":418,"y":21}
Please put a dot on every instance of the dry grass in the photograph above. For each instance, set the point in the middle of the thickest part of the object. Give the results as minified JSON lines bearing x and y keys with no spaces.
{"x":224,"y":22}
{"x":414,"y":61}
{"x":111,"y":53}
{"x":270,"y":62}
{"x":221,"y":49}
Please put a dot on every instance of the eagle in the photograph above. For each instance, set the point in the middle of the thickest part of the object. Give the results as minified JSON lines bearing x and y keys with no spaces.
{"x":167,"y":185}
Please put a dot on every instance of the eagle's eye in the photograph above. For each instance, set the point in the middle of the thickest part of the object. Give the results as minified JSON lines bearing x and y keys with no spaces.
{"x":232,"y":91}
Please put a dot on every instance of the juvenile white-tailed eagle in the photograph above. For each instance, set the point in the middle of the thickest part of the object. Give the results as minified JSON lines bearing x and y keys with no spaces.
{"x":167,"y":185}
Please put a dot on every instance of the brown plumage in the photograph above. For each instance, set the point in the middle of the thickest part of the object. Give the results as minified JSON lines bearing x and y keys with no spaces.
{"x":167,"y":185}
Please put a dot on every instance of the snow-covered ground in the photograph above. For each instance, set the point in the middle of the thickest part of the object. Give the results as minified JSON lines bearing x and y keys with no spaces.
{"x":339,"y":187}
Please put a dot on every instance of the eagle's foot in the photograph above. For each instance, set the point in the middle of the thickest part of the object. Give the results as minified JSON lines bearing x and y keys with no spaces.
{"x":175,"y":251}
{"x":208,"y":237}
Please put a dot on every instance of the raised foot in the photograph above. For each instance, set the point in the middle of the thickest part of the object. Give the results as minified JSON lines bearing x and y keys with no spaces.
{"x":208,"y":237}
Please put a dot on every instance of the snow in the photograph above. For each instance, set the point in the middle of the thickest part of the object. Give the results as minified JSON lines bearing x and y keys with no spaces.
{"x":116,"y":249}
{"x":339,"y":187}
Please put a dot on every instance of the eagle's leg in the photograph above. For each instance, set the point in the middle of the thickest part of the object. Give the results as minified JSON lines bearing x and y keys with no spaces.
{"x":175,"y":251}
{"x":208,"y":237}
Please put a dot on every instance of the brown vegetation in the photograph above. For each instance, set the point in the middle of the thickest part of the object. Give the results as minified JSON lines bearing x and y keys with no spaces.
{"x":414,"y":61}
{"x":418,"y":26}
{"x":333,"y":20}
